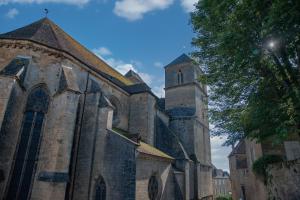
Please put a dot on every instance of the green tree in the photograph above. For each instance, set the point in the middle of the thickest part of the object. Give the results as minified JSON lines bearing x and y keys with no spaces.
{"x":250,"y":51}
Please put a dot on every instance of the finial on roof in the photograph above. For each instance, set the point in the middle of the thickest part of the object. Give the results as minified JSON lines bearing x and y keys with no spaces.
{"x":46,"y":12}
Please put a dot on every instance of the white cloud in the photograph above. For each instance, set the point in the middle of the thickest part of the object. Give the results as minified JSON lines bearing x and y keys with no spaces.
{"x":219,"y":153}
{"x":71,"y":2}
{"x":121,"y":66}
{"x":158,"y":64}
{"x":188,"y":5}
{"x":146,"y":77}
{"x":159,"y":90}
{"x":135,"y":9}
{"x":12,"y":13}
{"x":102,"y":51}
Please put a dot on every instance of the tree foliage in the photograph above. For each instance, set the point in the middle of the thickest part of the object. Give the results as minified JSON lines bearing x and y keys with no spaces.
{"x":250,"y":51}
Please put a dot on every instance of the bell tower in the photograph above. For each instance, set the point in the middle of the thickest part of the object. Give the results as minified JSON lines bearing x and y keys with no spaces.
{"x":186,"y":103}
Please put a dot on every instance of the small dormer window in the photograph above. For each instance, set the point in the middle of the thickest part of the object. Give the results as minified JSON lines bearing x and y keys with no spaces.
{"x":179,"y":77}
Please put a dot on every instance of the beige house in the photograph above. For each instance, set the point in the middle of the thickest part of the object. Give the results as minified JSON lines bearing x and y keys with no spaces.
{"x":285,"y":182}
{"x":72,"y":127}
{"x":245,"y":185}
{"x":221,"y":183}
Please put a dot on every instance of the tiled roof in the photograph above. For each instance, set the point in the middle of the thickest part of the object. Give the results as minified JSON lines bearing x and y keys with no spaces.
{"x":150,"y":150}
{"x":181,"y":59}
{"x":47,"y":33}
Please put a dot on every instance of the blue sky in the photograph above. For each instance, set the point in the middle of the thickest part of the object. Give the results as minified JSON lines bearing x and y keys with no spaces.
{"x":143,"y":35}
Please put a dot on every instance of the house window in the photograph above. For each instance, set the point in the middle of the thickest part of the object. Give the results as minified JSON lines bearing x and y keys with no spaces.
{"x":100,"y":190}
{"x":28,"y":147}
{"x":153,"y":188}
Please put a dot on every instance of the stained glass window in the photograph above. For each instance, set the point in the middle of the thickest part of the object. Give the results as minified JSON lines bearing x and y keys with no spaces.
{"x":27,"y":150}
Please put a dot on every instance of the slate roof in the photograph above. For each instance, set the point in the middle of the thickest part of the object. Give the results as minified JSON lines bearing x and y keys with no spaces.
{"x":46,"y":32}
{"x":133,"y":75}
{"x":181,"y":59}
{"x":138,"y":88}
{"x":181,"y":112}
{"x":17,"y":68}
{"x":240,"y":148}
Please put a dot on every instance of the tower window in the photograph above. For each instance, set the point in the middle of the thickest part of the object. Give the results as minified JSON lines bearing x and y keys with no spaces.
{"x":179,"y":77}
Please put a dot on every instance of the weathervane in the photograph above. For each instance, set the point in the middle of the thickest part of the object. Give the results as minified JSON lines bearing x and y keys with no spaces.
{"x":46,"y":11}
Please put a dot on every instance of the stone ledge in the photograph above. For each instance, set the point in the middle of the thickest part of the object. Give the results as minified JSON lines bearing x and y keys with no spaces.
{"x":54,"y":177}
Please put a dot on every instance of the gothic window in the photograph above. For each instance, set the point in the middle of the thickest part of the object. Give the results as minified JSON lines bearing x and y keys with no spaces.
{"x":179,"y":77}
{"x":100,"y":190}
{"x":28,"y":147}
{"x":153,"y":188}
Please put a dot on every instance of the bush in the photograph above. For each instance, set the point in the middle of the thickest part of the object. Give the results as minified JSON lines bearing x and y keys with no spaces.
{"x":260,"y":166}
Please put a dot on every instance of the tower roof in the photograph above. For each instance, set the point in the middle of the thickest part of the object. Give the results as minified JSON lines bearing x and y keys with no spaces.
{"x":180,"y":60}
{"x":134,"y":77}
{"x":46,"y":32}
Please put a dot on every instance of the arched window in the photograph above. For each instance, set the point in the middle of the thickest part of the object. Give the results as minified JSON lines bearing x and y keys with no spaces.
{"x":153,"y":188}
{"x":180,"y":77}
{"x":28,"y":147}
{"x":100,"y":190}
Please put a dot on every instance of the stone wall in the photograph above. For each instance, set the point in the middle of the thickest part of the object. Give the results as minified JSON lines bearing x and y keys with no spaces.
{"x":284,"y":180}
{"x":186,"y":94}
{"x":188,"y":72}
{"x":142,"y":116}
{"x":184,"y":130}
{"x":66,"y":81}
{"x":167,"y":141}
{"x":148,"y":166}
{"x":205,"y":182}
{"x":55,"y":150}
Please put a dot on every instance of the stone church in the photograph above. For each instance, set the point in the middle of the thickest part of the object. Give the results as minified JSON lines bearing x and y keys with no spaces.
{"x":74,"y":128}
